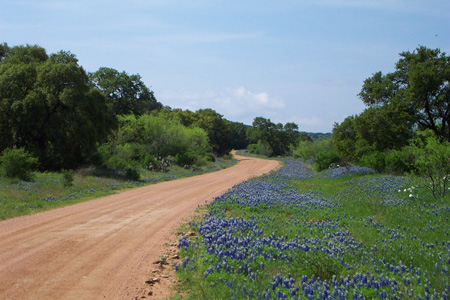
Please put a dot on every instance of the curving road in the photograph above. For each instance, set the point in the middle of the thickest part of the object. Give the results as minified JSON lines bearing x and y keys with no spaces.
{"x":104,"y":248}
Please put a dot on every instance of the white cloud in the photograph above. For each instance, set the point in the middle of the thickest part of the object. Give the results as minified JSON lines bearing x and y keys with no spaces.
{"x":236,"y":104}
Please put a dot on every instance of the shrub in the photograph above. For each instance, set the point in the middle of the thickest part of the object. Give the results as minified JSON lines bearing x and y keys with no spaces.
{"x":303,"y":150}
{"x":260,"y":149}
{"x":432,"y":162}
{"x":132,"y":174}
{"x":67,"y":178}
{"x":17,"y":163}
{"x":324,"y":159}
{"x":187,"y":158}
{"x":374,"y":161}
{"x":399,"y":162}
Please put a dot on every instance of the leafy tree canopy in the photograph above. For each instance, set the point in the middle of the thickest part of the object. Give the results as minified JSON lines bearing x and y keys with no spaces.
{"x":48,"y":107}
{"x":219,"y":130}
{"x":277,"y":138}
{"x":420,"y":86}
{"x":126,"y":93}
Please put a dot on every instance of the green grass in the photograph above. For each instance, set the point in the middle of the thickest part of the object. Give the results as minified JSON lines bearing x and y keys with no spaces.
{"x":390,"y":224}
{"x":48,"y":190}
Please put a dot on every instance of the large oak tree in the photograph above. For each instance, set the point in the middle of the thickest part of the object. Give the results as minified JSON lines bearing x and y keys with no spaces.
{"x":48,"y":107}
{"x":126,"y":93}
{"x":420,"y":85}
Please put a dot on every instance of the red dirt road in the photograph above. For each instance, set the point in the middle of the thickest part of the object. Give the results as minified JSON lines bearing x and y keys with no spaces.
{"x":104,"y":248}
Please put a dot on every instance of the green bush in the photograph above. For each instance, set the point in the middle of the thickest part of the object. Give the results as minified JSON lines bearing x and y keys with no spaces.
{"x":187,"y":158}
{"x":17,"y":163}
{"x":324,"y":159}
{"x":374,"y":160}
{"x":132,"y":174}
{"x":399,"y":162}
{"x":67,"y":178}
{"x":260,"y":149}
{"x":432,"y":162}
{"x":303,"y":150}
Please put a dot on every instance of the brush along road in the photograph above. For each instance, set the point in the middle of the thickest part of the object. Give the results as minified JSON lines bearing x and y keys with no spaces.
{"x":105,"y":248}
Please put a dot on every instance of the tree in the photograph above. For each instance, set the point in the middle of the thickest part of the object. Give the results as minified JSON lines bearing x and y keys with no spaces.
{"x":127,"y":93}
{"x":48,"y":107}
{"x":218,"y":130}
{"x":375,"y":130}
{"x":383,"y":128}
{"x":4,"y":51}
{"x":239,"y":133}
{"x":144,"y":140}
{"x":344,"y":138}
{"x":277,"y":138}
{"x":420,"y":86}
{"x":431,"y":162}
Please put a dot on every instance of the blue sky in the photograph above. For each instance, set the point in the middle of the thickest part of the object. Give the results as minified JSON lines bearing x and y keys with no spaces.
{"x":290,"y":61}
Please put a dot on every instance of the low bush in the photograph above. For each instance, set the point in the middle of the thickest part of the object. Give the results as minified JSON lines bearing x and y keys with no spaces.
{"x":374,"y":161}
{"x":187,"y":158}
{"x":260,"y":149}
{"x":132,"y":174}
{"x":17,"y":163}
{"x":67,"y":178}
{"x":324,"y":159}
{"x":432,"y":162}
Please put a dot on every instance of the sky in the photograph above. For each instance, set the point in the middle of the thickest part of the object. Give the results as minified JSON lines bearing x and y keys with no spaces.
{"x":301,"y":61}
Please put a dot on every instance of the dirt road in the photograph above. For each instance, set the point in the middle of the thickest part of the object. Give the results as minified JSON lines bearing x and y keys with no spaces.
{"x":104,"y":248}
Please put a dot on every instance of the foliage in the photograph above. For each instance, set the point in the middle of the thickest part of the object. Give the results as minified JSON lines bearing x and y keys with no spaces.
{"x":17,"y":163}
{"x":399,"y":162}
{"x":307,"y":149}
{"x":187,"y":158}
{"x":278,"y":139}
{"x":260,"y":149}
{"x":432,"y":162}
{"x":239,"y":135}
{"x":219,"y":130}
{"x":344,"y":138}
{"x":415,"y":96}
{"x":420,"y":86}
{"x":126,"y":93}
{"x":132,"y":174}
{"x":67,"y":178}
{"x":48,"y":107}
{"x":376,"y":130}
{"x":149,"y":139}
{"x":324,"y":159}
{"x":4,"y":51}
{"x":376,"y":161}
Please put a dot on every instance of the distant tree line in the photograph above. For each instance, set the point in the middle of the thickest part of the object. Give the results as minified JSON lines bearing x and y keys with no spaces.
{"x":274,"y":139}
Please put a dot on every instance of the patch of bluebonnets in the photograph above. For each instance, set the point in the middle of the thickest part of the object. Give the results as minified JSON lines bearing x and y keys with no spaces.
{"x":248,"y":246}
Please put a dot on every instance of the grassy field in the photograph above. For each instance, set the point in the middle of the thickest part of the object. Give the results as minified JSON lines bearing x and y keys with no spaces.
{"x":347,"y":233}
{"x":50,"y":190}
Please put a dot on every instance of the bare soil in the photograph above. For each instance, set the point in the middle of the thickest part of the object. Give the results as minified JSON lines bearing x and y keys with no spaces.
{"x":108,"y":248}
